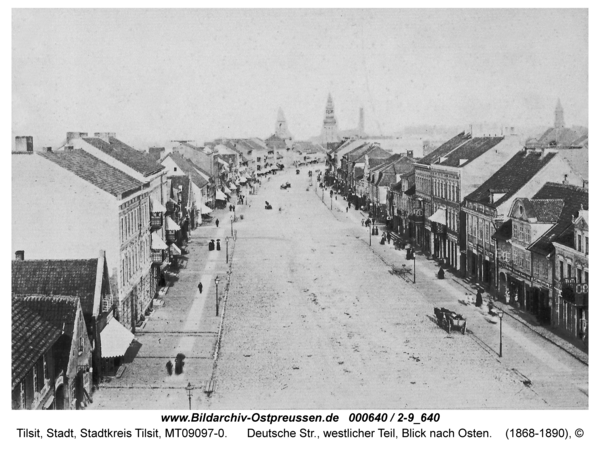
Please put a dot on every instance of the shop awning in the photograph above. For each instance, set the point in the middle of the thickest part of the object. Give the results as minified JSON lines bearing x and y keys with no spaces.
{"x":115,"y":339}
{"x":226,"y":190}
{"x":439,"y":217}
{"x":171,"y":225}
{"x":157,"y":207}
{"x":221,"y":161}
{"x":243,"y":179}
{"x":175,"y":250}
{"x":206,"y":209}
{"x":157,"y":243}
{"x":232,"y":186}
{"x":220,"y":195}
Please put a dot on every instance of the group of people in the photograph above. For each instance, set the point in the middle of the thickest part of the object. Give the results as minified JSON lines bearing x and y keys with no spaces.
{"x":212,"y":245}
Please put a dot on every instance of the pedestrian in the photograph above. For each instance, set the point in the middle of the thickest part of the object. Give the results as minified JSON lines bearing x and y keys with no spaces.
{"x":440,"y":274}
{"x":217,"y":222}
{"x":200,"y":287}
{"x":362,"y":222}
{"x":169,"y":366}
{"x":218,"y":244}
{"x":389,"y":237}
{"x":346,"y":209}
{"x":478,"y":299}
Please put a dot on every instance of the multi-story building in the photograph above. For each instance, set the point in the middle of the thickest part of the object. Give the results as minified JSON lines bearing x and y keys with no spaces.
{"x":571,"y":290}
{"x":68,"y":204}
{"x":402,"y":205}
{"x":51,"y":353}
{"x":487,"y":207}
{"x":452,"y":176}
{"x":526,"y":255}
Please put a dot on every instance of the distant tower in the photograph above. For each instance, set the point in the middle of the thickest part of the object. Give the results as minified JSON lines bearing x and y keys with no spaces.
{"x":329,"y":134}
{"x":559,"y":118}
{"x":281,"y":129}
{"x":361,"y":122}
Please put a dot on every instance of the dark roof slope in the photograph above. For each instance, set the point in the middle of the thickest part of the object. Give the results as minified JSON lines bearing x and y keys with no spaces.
{"x":574,"y":197}
{"x":60,"y":311}
{"x":76,"y":277}
{"x":32,"y":336}
{"x":547,"y":210}
{"x":95,"y":171}
{"x":470,"y":150}
{"x":504,"y":232}
{"x":141,"y":162}
{"x":445,"y":148}
{"x":189,"y":168}
{"x":511,"y":177}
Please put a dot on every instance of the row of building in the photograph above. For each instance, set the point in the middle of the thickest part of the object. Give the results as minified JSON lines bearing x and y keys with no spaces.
{"x":96,"y":226}
{"x":509,"y":214}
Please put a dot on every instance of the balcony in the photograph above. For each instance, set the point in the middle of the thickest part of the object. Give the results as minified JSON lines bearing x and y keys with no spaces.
{"x":156,"y":220}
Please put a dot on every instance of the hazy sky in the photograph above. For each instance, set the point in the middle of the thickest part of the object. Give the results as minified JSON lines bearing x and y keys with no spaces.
{"x":156,"y":75}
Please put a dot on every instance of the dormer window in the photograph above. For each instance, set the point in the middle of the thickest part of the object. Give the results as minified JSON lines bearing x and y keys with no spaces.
{"x":520,"y":210}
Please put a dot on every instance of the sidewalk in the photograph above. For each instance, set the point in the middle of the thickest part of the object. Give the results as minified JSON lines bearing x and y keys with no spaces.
{"x":186,"y":324}
{"x":433,"y":265}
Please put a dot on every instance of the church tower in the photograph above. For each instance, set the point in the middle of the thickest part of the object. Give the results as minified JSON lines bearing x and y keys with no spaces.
{"x":559,"y":118}
{"x":329,"y":134}
{"x":281,"y":129}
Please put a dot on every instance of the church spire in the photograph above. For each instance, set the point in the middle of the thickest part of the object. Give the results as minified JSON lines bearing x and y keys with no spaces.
{"x":281,"y":129}
{"x":559,"y":118}
{"x":329,"y":134}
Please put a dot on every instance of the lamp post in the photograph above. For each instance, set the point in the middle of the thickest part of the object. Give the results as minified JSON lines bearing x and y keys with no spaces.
{"x":226,"y":249}
{"x":370,"y":233}
{"x":500,"y":314}
{"x":217,"y":295}
{"x":231,"y":225}
{"x":189,"y":390}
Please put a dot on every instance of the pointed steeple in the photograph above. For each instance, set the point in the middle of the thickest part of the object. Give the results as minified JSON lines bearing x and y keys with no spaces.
{"x":329,"y":133}
{"x":559,"y":118}
{"x":281,"y":129}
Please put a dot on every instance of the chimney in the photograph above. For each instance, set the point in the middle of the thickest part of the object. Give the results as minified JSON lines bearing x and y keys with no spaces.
{"x":19,"y":255}
{"x":105,"y":136}
{"x":75,"y":135}
{"x":566,"y":181}
{"x":23,"y":144}
{"x":409,"y":153}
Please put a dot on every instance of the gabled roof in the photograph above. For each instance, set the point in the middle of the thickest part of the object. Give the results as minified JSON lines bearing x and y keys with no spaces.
{"x":469,"y":151}
{"x":32,"y":336}
{"x":511,"y":177}
{"x":75,"y":277}
{"x":141,"y":162}
{"x":559,"y":137}
{"x":573,"y":197}
{"x":95,"y":171}
{"x":445,"y":148}
{"x":189,"y":168}
{"x":546,"y":211}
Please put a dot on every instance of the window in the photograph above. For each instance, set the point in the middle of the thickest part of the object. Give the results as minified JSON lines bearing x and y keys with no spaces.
{"x":587,"y":245}
{"x":568,"y":270}
{"x":45,"y":367}
{"x":579,"y":275}
{"x":579,"y":243}
{"x":487,"y":232}
{"x":527,"y":235}
{"x":586,"y":276}
{"x":80,"y":345}
{"x":561,"y":270}
{"x":515,"y":231}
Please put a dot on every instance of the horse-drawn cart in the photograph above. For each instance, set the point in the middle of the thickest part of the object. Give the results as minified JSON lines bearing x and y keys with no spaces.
{"x":449,"y":320}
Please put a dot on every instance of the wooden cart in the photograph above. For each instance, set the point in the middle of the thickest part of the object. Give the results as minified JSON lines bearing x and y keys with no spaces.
{"x":449,"y":320}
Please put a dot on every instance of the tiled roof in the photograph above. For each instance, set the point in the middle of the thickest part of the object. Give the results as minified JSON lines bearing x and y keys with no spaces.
{"x":573,"y":197}
{"x":386,"y":179}
{"x":547,"y":211}
{"x":189,"y":168}
{"x":558,"y":136}
{"x":94,"y":171}
{"x":76,"y":277}
{"x":141,"y":162}
{"x":511,"y":177}
{"x":445,"y":148}
{"x":32,"y":336}
{"x":470,"y":150}
{"x":60,"y":311}
{"x":357,"y":152}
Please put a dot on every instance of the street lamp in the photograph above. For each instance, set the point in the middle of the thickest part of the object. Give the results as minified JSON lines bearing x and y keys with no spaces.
{"x":189,"y":390}
{"x":217,"y":295}
{"x":370,"y":232}
{"x":231,"y":225}
{"x":226,"y":249}
{"x":500,"y":314}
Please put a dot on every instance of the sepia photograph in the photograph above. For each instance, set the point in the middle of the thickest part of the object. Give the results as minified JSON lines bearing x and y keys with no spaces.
{"x":299,"y":209}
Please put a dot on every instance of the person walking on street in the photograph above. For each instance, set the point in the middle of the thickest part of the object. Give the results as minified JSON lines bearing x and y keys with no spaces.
{"x":478,"y":299}
{"x":217,"y":222}
{"x":200,"y":287}
{"x":362,"y":222}
{"x":389,"y":237}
